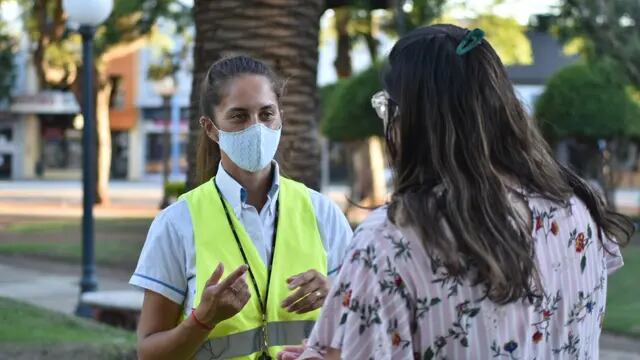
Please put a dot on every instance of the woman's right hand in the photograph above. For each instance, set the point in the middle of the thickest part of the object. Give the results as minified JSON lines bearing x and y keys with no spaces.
{"x":222,"y":300}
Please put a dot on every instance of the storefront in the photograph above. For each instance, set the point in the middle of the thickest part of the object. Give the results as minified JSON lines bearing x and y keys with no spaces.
{"x":7,"y":146}
{"x":42,"y":137}
{"x":154,"y":126}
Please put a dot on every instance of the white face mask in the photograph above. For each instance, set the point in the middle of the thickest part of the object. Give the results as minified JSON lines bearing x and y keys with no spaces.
{"x":253,"y":148}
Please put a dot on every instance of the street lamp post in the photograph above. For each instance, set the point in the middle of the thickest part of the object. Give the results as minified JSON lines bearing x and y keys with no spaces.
{"x":401,"y":17}
{"x":175,"y":138}
{"x":88,"y":16}
{"x":166,"y":88}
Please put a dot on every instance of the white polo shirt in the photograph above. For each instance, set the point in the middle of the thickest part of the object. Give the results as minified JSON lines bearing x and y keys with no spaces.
{"x":167,"y":262}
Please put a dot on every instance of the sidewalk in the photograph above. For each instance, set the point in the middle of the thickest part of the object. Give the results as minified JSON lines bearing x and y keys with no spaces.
{"x":70,"y":192}
{"x":51,"y":285}
{"x":64,"y":199}
{"x":18,"y":208}
{"x":129,"y":199}
{"x":628,"y":200}
{"x":55,"y":286}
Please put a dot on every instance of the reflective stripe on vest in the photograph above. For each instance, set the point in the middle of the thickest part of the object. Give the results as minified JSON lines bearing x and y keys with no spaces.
{"x":298,"y":249}
{"x":248,"y":342}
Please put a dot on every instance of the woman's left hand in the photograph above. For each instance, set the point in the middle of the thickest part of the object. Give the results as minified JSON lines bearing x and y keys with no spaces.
{"x":291,"y":352}
{"x":312,"y":290}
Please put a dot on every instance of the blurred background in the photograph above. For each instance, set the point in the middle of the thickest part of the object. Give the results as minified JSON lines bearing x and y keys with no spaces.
{"x":574,"y":63}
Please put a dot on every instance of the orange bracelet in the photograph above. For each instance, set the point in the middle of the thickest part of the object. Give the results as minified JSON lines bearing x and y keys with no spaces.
{"x":200,"y":323}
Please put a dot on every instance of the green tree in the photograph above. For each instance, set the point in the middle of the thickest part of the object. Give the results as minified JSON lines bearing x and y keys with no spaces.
{"x":588,"y":101}
{"x":7,"y":73}
{"x":355,"y":123}
{"x":363,"y":146}
{"x":610,"y":29}
{"x":346,"y":107}
{"x":591,"y":104}
{"x":505,"y":34}
{"x":354,"y":21}
{"x":57,"y":59}
{"x":349,"y":118}
{"x":507,"y":37}
{"x":423,"y":12}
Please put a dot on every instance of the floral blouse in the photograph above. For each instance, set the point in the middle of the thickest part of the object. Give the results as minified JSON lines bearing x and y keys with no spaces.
{"x":391,"y":301}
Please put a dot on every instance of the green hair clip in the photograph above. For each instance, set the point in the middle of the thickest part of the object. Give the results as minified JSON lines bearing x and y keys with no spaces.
{"x":470,"y":41}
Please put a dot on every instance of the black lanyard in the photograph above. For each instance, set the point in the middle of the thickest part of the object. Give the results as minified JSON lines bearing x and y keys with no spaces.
{"x":263,"y":305}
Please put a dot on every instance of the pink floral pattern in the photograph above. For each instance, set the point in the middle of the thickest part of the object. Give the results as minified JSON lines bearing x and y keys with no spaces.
{"x":392,"y":300}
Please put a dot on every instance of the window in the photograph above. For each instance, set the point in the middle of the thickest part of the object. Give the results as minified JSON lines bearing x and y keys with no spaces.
{"x":6,"y":134}
{"x":5,"y":166}
{"x":116,"y":101}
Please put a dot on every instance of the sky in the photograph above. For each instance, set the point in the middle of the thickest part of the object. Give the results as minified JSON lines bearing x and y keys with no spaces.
{"x":10,"y":12}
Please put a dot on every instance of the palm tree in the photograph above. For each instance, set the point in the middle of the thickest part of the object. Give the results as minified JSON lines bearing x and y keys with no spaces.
{"x":283,"y":33}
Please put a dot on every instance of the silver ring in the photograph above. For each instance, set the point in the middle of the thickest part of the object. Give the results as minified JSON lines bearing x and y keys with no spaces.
{"x":319,"y":294}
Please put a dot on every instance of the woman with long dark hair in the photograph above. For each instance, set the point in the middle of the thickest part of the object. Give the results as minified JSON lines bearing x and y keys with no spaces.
{"x":489,"y":248}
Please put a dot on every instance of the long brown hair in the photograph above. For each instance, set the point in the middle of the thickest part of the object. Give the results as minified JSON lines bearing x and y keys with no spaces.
{"x":460,"y":133}
{"x":211,"y":95}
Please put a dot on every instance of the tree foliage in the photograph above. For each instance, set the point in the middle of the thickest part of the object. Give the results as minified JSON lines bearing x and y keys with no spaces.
{"x":505,"y":34}
{"x":57,"y":50}
{"x":169,"y":61}
{"x":588,"y":101}
{"x":424,"y":12}
{"x":507,"y":37}
{"x":165,"y":67}
{"x":346,"y":106}
{"x":611,"y":29}
{"x":421,"y":12}
{"x":133,"y":19}
{"x":7,"y":73}
{"x":56,"y":55}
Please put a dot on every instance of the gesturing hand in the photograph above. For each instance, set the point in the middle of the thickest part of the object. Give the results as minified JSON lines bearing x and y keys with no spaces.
{"x":312,"y":290}
{"x":292,"y":352}
{"x":222,"y":300}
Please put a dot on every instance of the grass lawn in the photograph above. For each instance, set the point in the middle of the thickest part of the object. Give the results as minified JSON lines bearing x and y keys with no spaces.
{"x":25,"y":329}
{"x":623,"y":303}
{"x":118,"y":241}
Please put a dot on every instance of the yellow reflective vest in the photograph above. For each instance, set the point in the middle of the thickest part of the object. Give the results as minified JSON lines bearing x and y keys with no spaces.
{"x":298,"y":249}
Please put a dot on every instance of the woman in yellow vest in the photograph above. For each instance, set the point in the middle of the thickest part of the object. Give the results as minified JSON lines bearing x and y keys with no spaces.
{"x":239,"y":266}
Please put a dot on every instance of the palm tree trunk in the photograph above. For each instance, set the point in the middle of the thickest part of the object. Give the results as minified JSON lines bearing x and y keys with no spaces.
{"x":201,"y":14}
{"x":283,"y":33}
{"x":372,"y":43}
{"x":343,"y":53}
